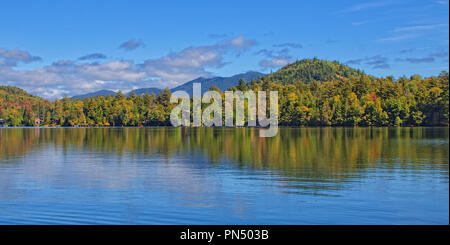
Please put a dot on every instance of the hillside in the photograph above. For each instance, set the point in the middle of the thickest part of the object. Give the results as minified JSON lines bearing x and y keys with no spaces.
{"x":308,"y":70}
{"x":18,"y":107}
{"x":16,"y":95}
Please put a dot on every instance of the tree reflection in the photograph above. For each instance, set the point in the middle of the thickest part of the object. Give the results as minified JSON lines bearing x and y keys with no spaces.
{"x":328,"y":150}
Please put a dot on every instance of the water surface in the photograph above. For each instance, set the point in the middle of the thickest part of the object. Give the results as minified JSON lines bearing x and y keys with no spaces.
{"x":224,"y":176}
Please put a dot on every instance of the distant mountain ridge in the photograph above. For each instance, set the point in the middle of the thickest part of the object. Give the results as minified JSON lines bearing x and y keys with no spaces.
{"x":223,"y":83}
{"x":305,"y":71}
{"x":141,"y":91}
{"x":94,"y":94}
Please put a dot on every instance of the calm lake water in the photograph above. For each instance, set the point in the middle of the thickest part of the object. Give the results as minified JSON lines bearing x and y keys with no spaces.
{"x":224,"y":176}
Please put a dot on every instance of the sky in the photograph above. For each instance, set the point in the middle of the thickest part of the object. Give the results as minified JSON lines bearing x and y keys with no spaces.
{"x":57,"y":48}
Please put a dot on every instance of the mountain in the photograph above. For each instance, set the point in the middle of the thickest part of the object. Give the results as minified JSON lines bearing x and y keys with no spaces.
{"x":308,"y":70}
{"x":93,"y":94}
{"x":223,"y":83}
{"x":146,"y":91}
{"x":17,"y":95}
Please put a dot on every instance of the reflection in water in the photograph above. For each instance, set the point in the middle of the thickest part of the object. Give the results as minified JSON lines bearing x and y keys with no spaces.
{"x":224,"y":175}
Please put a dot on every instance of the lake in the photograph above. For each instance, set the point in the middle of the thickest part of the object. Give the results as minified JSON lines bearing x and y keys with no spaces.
{"x":224,"y":176}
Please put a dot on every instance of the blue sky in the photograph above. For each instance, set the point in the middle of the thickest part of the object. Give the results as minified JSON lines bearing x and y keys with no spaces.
{"x":52,"y":48}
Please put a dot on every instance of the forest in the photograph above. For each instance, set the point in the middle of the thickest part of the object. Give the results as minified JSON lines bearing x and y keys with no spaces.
{"x":311,"y":93}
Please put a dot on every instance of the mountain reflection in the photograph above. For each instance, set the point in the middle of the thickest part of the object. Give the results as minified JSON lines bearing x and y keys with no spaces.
{"x":317,"y":151}
{"x":221,"y":175}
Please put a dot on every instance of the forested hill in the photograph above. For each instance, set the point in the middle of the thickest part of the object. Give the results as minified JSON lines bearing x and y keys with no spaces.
{"x":18,"y":107}
{"x":308,"y":70}
{"x":16,"y":95}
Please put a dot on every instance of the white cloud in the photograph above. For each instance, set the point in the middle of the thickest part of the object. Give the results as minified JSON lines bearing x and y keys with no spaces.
{"x":185,"y":65}
{"x":113,"y":70}
{"x":16,"y":55}
{"x":68,"y":77}
{"x":419,"y":28}
{"x":192,"y":62}
{"x":364,"y":6}
{"x":240,"y":43}
{"x":410,"y":32}
{"x":274,"y":58}
{"x":397,"y":38}
{"x":74,"y":77}
{"x":274,"y":62}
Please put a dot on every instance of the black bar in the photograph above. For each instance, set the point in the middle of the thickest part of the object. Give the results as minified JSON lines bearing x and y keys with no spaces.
{"x":173,"y":234}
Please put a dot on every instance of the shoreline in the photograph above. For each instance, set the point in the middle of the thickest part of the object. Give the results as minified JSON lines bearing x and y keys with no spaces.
{"x":65,"y":127}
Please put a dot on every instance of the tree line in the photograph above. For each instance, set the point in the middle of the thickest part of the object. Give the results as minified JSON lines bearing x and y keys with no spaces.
{"x":360,"y":100}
